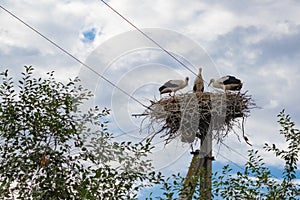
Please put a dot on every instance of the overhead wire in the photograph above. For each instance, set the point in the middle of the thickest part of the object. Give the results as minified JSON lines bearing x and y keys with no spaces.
{"x":72,"y":56}
{"x":241,"y":155}
{"x":235,"y":151}
{"x":148,"y":37}
{"x":230,"y":161}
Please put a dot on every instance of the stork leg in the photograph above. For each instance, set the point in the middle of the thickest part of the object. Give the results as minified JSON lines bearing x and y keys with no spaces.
{"x":173,"y":96}
{"x":225,"y":90}
{"x":192,"y":148}
{"x":170,"y":93}
{"x":238,"y":93}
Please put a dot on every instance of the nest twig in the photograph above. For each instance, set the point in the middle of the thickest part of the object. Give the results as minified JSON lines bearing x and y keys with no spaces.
{"x":193,"y":115}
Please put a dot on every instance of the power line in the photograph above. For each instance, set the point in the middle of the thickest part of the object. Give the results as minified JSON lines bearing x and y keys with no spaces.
{"x":230,"y":161}
{"x":241,"y":155}
{"x":72,"y":56}
{"x":148,"y":37}
{"x":235,"y":151}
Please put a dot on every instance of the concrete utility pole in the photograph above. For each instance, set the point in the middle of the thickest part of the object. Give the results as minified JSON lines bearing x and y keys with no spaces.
{"x":200,"y":167}
{"x":205,"y":176}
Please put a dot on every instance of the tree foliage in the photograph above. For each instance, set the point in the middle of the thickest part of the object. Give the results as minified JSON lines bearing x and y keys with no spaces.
{"x":53,"y":149}
{"x":256,"y":181}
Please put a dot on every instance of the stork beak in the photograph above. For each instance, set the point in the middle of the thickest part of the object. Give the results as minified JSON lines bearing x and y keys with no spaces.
{"x":210,"y":83}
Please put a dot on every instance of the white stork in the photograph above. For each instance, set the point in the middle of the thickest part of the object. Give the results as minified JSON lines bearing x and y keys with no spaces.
{"x":198,"y":83}
{"x":227,"y":83}
{"x":173,"y":86}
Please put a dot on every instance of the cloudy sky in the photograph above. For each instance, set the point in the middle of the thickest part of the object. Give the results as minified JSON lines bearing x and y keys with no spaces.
{"x":257,"y":41}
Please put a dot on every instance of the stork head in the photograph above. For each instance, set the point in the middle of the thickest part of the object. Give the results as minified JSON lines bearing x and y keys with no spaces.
{"x":200,"y":70}
{"x":211,"y":81}
{"x":186,"y":79}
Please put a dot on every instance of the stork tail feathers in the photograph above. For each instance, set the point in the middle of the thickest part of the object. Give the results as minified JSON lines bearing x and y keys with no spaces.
{"x":162,"y":88}
{"x":195,"y":88}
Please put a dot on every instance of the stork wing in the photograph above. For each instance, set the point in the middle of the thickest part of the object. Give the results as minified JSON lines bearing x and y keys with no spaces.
{"x":173,"y":83}
{"x":222,"y":79}
{"x":232,"y":80}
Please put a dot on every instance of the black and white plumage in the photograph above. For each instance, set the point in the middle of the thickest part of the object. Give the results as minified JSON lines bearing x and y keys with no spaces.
{"x":198,"y":83}
{"x":227,"y":83}
{"x":173,"y":86}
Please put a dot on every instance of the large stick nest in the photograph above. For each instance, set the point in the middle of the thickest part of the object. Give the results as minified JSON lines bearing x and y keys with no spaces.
{"x":193,"y":115}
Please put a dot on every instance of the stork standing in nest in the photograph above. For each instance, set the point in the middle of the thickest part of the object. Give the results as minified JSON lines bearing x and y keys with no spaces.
{"x":227,"y":83}
{"x":198,"y":83}
{"x":173,"y":86}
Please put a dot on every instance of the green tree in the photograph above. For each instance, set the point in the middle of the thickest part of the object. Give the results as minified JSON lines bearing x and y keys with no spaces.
{"x":256,"y":181}
{"x":53,"y":149}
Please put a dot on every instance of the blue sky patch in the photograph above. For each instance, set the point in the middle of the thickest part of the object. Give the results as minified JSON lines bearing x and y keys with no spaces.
{"x":89,"y":35}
